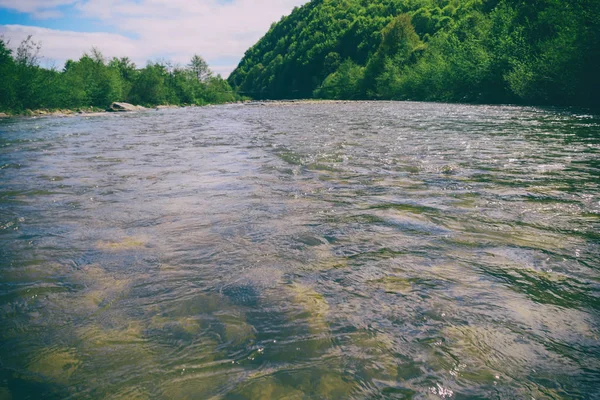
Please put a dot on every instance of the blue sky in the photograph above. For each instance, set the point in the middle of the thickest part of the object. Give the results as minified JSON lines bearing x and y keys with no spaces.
{"x":144,"y":30}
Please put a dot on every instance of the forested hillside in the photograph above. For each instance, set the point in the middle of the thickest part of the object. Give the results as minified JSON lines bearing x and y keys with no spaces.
{"x":520,"y":51}
{"x":94,"y":81}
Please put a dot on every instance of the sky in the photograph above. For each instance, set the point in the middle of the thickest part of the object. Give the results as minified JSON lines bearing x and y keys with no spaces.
{"x":143,"y":30}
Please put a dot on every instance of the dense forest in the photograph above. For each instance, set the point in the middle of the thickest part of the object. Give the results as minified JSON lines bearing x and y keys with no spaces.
{"x":92,"y":81}
{"x":494,"y":51}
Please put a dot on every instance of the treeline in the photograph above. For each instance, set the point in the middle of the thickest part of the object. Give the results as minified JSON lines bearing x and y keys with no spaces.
{"x":92,"y":81}
{"x":493,"y":51}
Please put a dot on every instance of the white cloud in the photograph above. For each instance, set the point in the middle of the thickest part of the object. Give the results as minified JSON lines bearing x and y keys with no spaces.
{"x":176,"y":29}
{"x":223,"y":70}
{"x":59,"y":46}
{"x":30,"y":6}
{"x":46,"y":14}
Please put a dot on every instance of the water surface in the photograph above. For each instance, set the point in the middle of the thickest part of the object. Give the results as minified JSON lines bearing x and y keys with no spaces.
{"x":301,"y":251}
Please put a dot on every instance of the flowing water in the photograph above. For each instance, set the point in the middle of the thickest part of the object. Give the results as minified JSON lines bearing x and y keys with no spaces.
{"x":301,"y":251}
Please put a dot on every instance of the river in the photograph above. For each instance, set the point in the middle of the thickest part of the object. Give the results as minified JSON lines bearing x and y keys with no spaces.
{"x":362,"y":250}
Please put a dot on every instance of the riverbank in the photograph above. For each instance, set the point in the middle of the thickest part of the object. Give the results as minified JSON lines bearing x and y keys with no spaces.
{"x":131,"y":108}
{"x":81,"y":112}
{"x":96,"y":111}
{"x":56,"y":113}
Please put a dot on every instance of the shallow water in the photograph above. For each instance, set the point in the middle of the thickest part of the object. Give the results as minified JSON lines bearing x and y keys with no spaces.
{"x":301,"y":251}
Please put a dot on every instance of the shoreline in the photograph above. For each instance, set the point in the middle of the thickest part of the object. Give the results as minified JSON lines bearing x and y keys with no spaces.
{"x":96,"y":111}
{"x":81,"y":112}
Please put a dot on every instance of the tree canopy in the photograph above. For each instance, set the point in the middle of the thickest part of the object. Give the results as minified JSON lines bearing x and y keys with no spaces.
{"x":531,"y":52}
{"x":94,"y":81}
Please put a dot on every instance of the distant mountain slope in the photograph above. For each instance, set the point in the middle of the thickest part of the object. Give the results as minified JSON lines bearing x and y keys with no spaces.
{"x":536,"y":51}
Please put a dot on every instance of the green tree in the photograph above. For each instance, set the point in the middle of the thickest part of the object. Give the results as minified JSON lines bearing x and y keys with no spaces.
{"x":127,"y":72}
{"x":8,"y":101}
{"x":543,"y":51}
{"x":149,"y":88}
{"x":200,"y":68}
{"x":28,"y":52}
{"x":345,"y":83}
{"x":398,"y":42}
{"x":93,"y":82}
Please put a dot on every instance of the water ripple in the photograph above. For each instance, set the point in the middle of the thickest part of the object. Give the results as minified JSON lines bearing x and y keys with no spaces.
{"x":335,"y":250}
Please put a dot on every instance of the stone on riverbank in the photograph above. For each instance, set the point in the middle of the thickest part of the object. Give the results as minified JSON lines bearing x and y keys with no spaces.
{"x":123,"y":107}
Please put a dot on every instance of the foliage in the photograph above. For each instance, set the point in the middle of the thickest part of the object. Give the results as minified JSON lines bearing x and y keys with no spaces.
{"x":200,"y":68}
{"x":94,"y":81}
{"x":344,"y":83}
{"x":28,"y":52}
{"x":8,"y":74}
{"x":533,"y":52}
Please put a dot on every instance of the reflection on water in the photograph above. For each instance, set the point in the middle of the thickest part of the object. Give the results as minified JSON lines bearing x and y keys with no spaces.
{"x":301,"y":251}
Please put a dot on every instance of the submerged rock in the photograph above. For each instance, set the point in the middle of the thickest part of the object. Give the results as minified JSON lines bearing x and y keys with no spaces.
{"x":5,"y":393}
{"x":394,"y":284}
{"x":242,"y":295}
{"x":314,"y":304}
{"x":236,"y":331}
{"x":57,"y":364}
{"x":267,"y":388}
{"x":333,"y":386}
{"x":127,"y":243}
{"x":102,"y":287}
